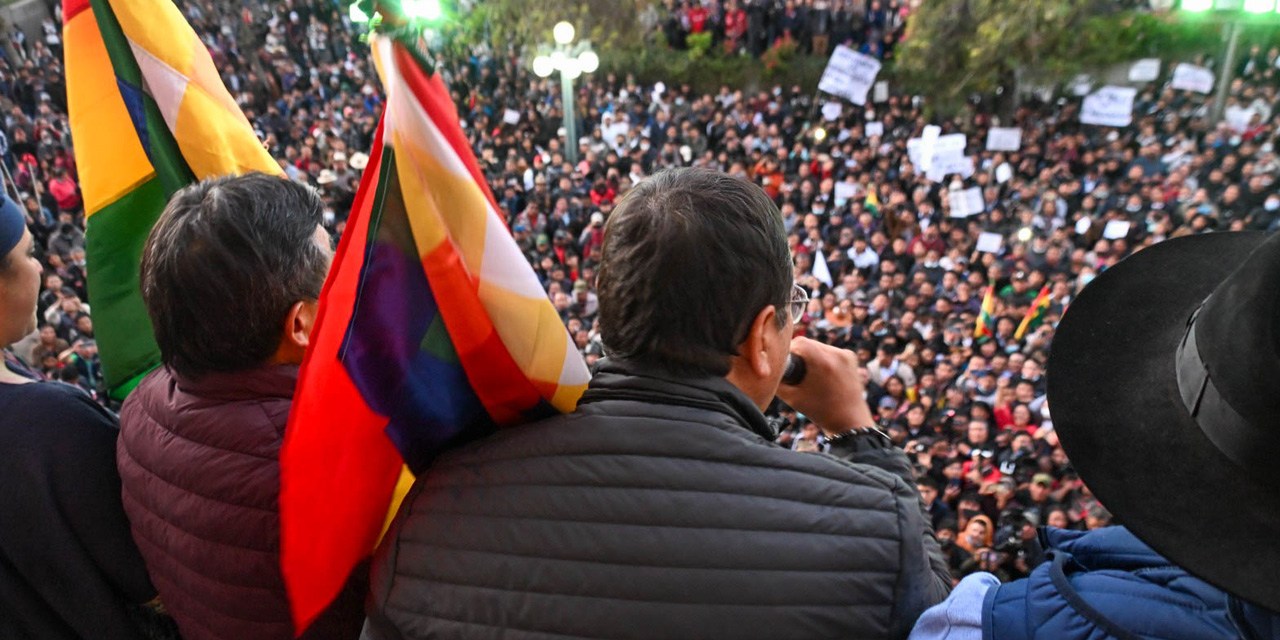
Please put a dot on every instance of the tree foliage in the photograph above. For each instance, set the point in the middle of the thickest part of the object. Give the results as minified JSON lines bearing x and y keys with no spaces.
{"x":520,"y":23}
{"x":954,"y":48}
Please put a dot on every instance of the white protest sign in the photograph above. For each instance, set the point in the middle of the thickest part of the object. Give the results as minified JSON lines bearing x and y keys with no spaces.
{"x":831,"y":111}
{"x":511,"y":116}
{"x":850,"y":75}
{"x":1238,"y":118}
{"x":1081,"y":85}
{"x":1189,"y":77}
{"x":1004,"y":139}
{"x":966,"y":203}
{"x":875,"y":129}
{"x":990,"y":242}
{"x":881,"y":92}
{"x":845,"y":192}
{"x":1145,"y":70}
{"x":928,"y":140}
{"x":1004,"y":173}
{"x":949,"y":146}
{"x":943,"y":167}
{"x":1109,"y":106}
{"x":1116,"y":229}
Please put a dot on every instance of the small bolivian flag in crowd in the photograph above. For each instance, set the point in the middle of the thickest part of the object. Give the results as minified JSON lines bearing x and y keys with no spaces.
{"x":149,"y":115}
{"x":986,"y":325}
{"x":1035,"y":315}
{"x":433,"y":330}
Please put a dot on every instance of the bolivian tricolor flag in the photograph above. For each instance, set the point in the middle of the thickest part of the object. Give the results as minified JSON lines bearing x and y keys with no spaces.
{"x":1035,"y":315}
{"x":872,"y":201}
{"x":149,"y":115}
{"x":433,"y":330}
{"x":986,"y":325}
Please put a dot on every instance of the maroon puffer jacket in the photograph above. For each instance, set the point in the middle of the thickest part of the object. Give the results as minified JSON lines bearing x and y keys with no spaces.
{"x":199,"y":464}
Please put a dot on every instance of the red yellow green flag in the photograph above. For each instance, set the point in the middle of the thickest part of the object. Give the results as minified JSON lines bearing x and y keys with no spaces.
{"x":1035,"y":315}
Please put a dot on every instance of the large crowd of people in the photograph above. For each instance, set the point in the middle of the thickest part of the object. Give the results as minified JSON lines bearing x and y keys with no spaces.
{"x":891,"y":270}
{"x":814,"y":26}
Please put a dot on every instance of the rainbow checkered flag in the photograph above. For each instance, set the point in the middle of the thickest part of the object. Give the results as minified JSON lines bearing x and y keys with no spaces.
{"x":149,"y":115}
{"x":433,"y":330}
{"x":986,"y":324}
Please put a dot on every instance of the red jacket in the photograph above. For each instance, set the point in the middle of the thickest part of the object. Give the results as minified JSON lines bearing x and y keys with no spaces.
{"x":199,"y":465}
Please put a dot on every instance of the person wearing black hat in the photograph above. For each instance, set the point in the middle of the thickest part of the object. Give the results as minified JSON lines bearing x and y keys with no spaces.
{"x":1163,"y":382}
{"x":69,"y":568}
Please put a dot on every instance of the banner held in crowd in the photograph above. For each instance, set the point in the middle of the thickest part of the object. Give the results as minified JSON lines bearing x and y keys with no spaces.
{"x":1004,"y":139}
{"x":966,"y":202}
{"x":1145,"y":70}
{"x":433,"y":330}
{"x":149,"y":115}
{"x":850,"y":75}
{"x":1190,"y":77}
{"x":1109,"y":106}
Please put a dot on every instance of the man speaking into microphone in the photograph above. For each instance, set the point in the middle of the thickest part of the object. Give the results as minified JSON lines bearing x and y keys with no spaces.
{"x":661,"y":508}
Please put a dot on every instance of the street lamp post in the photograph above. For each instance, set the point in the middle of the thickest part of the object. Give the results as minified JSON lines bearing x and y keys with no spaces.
{"x":1227,"y":70}
{"x":1235,"y":13}
{"x":571,"y":61}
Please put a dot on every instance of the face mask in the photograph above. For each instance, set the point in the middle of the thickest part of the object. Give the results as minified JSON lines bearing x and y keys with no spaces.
{"x":644,"y":146}
{"x":1101,"y":195}
{"x":1272,"y":205}
{"x":1086,"y":278}
{"x":1133,"y":208}
{"x":817,"y":211}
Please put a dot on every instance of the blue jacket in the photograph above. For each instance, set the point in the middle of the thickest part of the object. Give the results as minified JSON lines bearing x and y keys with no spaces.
{"x":1096,"y":585}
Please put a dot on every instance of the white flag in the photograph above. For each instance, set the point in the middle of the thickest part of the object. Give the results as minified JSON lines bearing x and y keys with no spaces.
{"x":820,"y":269}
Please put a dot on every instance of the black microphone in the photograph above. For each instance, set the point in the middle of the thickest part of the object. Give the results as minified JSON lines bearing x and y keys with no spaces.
{"x":795,"y":371}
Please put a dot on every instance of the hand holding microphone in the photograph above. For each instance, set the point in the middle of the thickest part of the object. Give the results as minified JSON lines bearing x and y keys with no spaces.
{"x":823,"y":383}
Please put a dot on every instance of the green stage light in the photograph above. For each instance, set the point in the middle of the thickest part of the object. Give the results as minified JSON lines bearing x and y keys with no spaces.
{"x":356,"y":14}
{"x":428,"y":10}
{"x":1197,"y":5}
{"x":1259,"y":6}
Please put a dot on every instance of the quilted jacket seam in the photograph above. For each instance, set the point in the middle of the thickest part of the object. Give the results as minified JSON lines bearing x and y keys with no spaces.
{"x":144,"y":468}
{"x":860,"y":469}
{"x":557,"y":594}
{"x":422,"y":543}
{"x":855,"y":536}
{"x":152,"y":421}
{"x":431,"y":487}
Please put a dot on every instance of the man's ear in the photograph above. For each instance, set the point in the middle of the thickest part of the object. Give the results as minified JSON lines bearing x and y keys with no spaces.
{"x":298,"y":324}
{"x":758,"y":346}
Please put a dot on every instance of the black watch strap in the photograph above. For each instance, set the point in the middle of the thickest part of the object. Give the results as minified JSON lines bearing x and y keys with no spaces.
{"x":862,"y":439}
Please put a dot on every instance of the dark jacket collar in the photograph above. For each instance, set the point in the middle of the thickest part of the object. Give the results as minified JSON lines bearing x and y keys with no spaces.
{"x":269,"y":381}
{"x":629,"y":380}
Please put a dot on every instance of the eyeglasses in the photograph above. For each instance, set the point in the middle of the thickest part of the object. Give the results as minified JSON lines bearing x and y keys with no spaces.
{"x":799,"y":302}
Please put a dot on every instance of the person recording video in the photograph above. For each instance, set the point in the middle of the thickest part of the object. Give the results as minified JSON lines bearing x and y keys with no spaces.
{"x":661,"y":506}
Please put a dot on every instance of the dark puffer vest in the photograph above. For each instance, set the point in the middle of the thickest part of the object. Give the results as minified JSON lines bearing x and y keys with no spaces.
{"x":199,"y":465}
{"x":659,"y":509}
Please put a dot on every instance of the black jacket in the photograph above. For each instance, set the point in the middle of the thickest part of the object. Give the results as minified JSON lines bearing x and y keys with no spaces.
{"x":658,"y":509}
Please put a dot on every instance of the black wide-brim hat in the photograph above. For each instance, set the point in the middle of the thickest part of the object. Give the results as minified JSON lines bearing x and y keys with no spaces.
{"x":1191,"y":466}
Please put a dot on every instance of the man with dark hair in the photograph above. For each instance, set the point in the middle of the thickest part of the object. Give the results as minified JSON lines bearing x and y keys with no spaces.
{"x":661,"y":507}
{"x":230,"y":277}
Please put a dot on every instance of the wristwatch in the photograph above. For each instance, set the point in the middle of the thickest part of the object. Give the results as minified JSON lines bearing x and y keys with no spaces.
{"x":861,"y":439}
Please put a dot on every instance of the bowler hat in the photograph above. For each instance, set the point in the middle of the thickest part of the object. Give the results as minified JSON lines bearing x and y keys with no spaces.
{"x":1165,"y":387}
